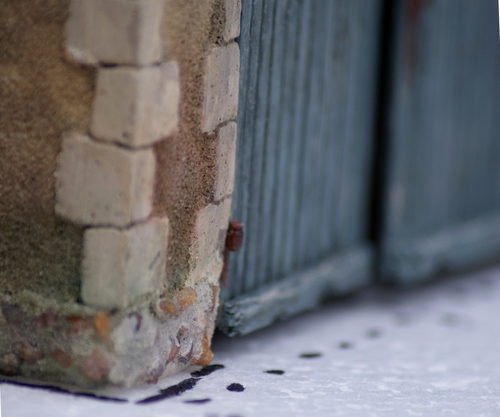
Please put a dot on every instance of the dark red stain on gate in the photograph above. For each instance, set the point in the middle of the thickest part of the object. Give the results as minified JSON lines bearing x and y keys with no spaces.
{"x":413,"y":12}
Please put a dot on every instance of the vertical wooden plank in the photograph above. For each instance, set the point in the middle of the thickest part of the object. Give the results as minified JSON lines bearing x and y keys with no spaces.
{"x":287,"y":97}
{"x":442,"y":201}
{"x":327,"y":207}
{"x":249,"y":48}
{"x":298,"y":120}
{"x":340,"y":74}
{"x":302,"y":66}
{"x":306,"y":227}
{"x":267,"y":217}
{"x":262,"y":62}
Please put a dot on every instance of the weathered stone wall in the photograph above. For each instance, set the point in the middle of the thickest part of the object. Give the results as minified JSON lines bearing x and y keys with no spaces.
{"x":138,"y":185}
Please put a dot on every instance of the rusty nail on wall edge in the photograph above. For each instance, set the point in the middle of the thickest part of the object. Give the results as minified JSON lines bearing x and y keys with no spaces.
{"x":234,"y":241}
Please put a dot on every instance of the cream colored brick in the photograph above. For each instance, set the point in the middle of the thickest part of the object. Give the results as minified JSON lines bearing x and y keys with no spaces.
{"x":101,"y":184}
{"x":207,"y":250}
{"x":233,"y":14}
{"x":221,"y":86}
{"x":115,"y":31}
{"x":226,"y":158}
{"x":120,"y":265}
{"x":136,"y":106}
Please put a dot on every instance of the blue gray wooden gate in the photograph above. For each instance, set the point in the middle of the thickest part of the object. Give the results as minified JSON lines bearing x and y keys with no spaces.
{"x":442,"y":202}
{"x":304,"y":156}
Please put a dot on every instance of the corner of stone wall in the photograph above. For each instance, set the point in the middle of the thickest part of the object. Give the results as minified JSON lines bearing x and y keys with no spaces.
{"x":131,"y":325}
{"x":106,"y":177}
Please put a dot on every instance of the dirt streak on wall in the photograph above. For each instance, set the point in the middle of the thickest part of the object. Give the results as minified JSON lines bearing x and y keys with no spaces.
{"x":42,"y":95}
{"x":186,"y":162}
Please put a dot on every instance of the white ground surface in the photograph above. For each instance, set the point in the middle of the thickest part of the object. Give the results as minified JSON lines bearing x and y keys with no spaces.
{"x":427,"y":351}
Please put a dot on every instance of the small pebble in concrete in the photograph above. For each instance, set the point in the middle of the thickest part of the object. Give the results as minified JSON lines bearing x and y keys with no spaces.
{"x":9,"y":364}
{"x":235,"y":387}
{"x":13,"y":314}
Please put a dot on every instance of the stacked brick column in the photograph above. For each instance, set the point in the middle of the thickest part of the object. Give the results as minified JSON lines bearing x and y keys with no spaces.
{"x":105,"y":177}
{"x":219,"y":110}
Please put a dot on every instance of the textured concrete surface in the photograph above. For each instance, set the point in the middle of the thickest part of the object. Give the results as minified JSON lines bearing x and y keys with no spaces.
{"x":43,"y":96}
{"x":425,"y":351}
